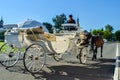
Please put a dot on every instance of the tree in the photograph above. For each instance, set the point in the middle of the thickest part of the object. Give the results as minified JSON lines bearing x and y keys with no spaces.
{"x":95,"y":32}
{"x":109,"y":28}
{"x":102,"y":29}
{"x":2,"y":37}
{"x":58,"y":20}
{"x":107,"y":35}
{"x":117,"y":35}
{"x":48,"y":26}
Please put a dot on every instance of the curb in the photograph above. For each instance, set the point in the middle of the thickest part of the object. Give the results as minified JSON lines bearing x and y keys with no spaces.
{"x":117,"y":65}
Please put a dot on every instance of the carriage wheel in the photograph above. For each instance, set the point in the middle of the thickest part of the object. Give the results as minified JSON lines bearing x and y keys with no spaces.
{"x":34,"y":58}
{"x":83,"y":55}
{"x":9,"y":55}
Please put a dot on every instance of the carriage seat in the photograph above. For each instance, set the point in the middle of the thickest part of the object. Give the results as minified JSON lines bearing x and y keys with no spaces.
{"x":38,"y":34}
{"x":49,"y":37}
{"x":37,"y":30}
{"x":35,"y":34}
{"x":32,"y":33}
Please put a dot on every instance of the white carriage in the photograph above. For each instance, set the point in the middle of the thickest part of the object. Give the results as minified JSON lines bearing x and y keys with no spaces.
{"x":39,"y":43}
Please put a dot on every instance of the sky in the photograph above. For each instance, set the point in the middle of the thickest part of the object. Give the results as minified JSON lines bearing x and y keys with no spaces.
{"x":92,"y":14}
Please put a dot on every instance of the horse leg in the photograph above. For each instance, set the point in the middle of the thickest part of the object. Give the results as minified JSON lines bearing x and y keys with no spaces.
{"x":95,"y":55}
{"x":101,"y":51}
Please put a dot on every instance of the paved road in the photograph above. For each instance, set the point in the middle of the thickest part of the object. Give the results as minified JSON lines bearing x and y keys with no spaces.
{"x":70,"y":69}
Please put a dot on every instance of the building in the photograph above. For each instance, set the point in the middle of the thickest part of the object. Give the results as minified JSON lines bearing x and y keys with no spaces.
{"x":7,"y":26}
{"x":1,"y":23}
{"x":10,"y":26}
{"x":25,"y":24}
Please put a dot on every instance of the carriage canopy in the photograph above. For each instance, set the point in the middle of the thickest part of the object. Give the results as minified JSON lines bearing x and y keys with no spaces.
{"x":32,"y":24}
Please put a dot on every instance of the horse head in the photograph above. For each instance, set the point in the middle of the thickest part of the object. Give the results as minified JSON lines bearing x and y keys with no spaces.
{"x":88,"y":37}
{"x":84,"y":38}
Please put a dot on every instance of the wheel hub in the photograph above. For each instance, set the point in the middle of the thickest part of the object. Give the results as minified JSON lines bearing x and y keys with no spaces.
{"x":11,"y":54}
{"x":36,"y":58}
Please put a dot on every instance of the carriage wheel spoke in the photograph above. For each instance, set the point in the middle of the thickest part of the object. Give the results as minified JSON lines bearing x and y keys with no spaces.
{"x":9,"y":55}
{"x":34,"y":58}
{"x":29,"y":68}
{"x":28,"y":63}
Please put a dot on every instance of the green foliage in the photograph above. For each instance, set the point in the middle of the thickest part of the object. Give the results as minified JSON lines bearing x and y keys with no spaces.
{"x":109,"y":28}
{"x":108,"y":32}
{"x":107,"y":35}
{"x":95,"y":32}
{"x":2,"y":36}
{"x":48,"y":26}
{"x":117,"y":35}
{"x":102,"y":29}
{"x":58,"y":20}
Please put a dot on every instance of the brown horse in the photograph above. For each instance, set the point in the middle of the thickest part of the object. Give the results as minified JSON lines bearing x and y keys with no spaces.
{"x":96,"y":42}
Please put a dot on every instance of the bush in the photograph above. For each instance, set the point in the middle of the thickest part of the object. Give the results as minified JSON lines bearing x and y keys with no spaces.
{"x":2,"y":36}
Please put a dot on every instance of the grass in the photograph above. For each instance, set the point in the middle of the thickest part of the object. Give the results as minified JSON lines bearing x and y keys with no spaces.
{"x":1,"y":43}
{"x":13,"y":50}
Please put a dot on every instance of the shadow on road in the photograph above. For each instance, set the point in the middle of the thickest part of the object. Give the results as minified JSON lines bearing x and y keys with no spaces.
{"x":103,"y":69}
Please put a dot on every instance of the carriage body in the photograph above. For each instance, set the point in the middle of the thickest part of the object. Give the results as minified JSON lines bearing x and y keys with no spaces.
{"x":58,"y":43}
{"x":64,"y":41}
{"x":16,"y":38}
{"x":53,"y":43}
{"x":39,"y":43}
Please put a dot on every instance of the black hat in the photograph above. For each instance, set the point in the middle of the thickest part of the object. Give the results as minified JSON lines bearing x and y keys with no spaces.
{"x":70,"y":15}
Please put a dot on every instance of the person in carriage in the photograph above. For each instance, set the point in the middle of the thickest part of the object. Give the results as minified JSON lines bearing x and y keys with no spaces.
{"x":71,"y":20}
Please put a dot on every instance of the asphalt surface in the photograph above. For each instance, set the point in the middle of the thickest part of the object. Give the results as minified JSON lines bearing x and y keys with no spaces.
{"x":69,"y":69}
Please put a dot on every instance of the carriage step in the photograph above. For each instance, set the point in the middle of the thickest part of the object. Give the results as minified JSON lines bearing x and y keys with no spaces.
{"x":51,"y":54}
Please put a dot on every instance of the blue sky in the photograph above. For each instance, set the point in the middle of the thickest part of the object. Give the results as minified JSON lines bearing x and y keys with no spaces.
{"x":92,"y":14}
